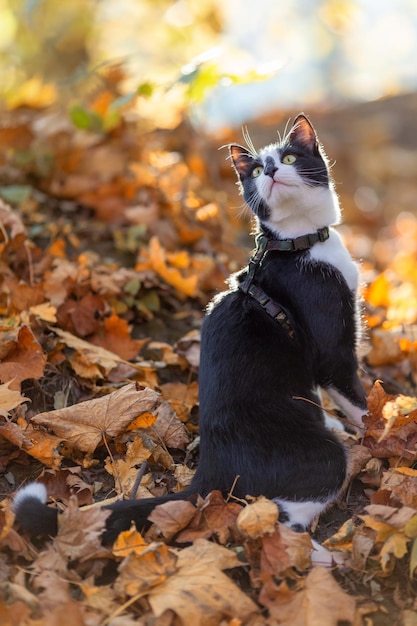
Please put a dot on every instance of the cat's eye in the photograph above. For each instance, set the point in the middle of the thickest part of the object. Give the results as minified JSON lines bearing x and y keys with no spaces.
{"x":289,"y":159}
{"x":257,"y":171}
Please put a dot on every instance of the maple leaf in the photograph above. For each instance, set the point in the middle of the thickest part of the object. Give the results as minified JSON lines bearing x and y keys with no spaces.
{"x":215,"y":517}
{"x":172,"y":275}
{"x":80,"y":530}
{"x":321,"y":602}
{"x":25,"y":358}
{"x":199,"y":592}
{"x":116,"y":338}
{"x":40,"y":445}
{"x":10,"y":399}
{"x":85,"y":424}
{"x":171,"y":517}
{"x":258,"y":518}
{"x":129,"y":541}
{"x":140,"y":572}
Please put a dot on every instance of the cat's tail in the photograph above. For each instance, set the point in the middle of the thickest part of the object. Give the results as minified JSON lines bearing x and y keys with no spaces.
{"x":32,"y":513}
{"x":35,"y":517}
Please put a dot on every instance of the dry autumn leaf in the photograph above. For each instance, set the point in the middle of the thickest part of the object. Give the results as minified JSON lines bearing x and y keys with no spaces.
{"x":172,"y":517}
{"x":86,"y":424}
{"x":321,"y":602}
{"x":128,"y":542}
{"x":199,"y":592}
{"x":115,"y":336}
{"x":10,"y":399}
{"x":214,"y":518}
{"x":42,"y":446}
{"x":25,"y":358}
{"x":258,"y":518}
{"x":79,"y":532}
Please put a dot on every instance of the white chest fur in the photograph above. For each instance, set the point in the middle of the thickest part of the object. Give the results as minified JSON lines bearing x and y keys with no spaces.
{"x":334,"y":252}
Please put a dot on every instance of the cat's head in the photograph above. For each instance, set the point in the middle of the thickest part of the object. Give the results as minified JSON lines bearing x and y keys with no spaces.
{"x":287,"y":185}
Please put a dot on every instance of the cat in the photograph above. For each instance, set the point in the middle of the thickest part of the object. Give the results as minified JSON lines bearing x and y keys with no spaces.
{"x":287,"y":325}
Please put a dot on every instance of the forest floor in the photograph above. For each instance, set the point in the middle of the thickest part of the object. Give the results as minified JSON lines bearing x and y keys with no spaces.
{"x":112,"y":244}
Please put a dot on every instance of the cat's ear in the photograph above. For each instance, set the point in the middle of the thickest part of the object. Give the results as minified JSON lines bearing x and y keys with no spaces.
{"x":302,"y":132}
{"x":242,"y":160}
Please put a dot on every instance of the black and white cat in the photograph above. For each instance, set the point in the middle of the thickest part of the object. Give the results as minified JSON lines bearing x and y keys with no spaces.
{"x":287,"y":325}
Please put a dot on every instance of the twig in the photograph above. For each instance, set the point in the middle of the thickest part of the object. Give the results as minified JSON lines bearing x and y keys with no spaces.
{"x":141,"y":473}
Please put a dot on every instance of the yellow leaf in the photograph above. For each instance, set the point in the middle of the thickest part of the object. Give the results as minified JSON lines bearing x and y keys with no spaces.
{"x":33,"y":93}
{"x":157,"y":260}
{"x":413,"y":558}
{"x":258,"y":518}
{"x":45,"y":312}
{"x":139,"y":573}
{"x":128,"y":542}
{"x":395,"y":545}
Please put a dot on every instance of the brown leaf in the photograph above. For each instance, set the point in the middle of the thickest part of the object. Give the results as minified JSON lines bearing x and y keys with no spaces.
{"x":171,"y":517}
{"x":215,"y":517}
{"x":401,"y":482}
{"x":169,"y":429}
{"x":199,"y":593}
{"x":26,"y":359}
{"x":85,"y":424}
{"x":80,"y":530}
{"x":274,"y":554}
{"x":91,"y":355}
{"x":140,"y":572}
{"x":320,"y":603}
{"x":81,"y":316}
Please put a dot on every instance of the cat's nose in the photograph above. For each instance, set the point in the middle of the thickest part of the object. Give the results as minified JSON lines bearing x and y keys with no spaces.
{"x":270,"y":168}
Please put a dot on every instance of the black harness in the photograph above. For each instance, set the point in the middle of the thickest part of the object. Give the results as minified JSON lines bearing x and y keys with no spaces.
{"x":263,"y":245}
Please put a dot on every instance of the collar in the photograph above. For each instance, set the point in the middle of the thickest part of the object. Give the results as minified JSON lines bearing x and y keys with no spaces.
{"x":298,"y":243}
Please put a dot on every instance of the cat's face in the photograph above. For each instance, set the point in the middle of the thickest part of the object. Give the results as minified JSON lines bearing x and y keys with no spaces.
{"x":287,"y":184}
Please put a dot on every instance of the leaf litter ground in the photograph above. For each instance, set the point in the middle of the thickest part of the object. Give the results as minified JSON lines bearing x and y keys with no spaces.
{"x":107,"y":264}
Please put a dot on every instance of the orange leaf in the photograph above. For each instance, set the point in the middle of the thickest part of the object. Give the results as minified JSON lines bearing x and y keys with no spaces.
{"x":116,"y":338}
{"x":128,"y":542}
{"x":25,"y":360}
{"x":171,"y":275}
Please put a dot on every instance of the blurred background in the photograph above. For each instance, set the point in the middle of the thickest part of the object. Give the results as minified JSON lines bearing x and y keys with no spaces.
{"x":152,"y":87}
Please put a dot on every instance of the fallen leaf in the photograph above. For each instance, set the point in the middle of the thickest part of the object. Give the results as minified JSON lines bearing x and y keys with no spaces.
{"x":258,"y":518}
{"x":116,"y":337}
{"x":128,"y":542}
{"x":26,"y":359}
{"x":172,"y":275}
{"x":79,"y":531}
{"x":10,"y":399}
{"x":199,"y":593}
{"x":321,"y":602}
{"x":215,"y":517}
{"x":168,"y":428}
{"x":139,"y":573}
{"x":38,"y":444}
{"x":86,"y":424}
{"x":171,"y":517}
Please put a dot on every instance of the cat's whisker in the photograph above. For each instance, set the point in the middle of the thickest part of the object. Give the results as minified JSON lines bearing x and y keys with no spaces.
{"x":248,"y":140}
